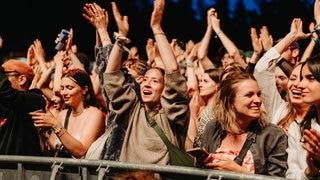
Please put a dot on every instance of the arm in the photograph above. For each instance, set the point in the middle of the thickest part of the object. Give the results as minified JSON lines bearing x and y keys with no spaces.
{"x":76,"y":63}
{"x":295,"y":34}
{"x":99,"y":19}
{"x":39,"y":54}
{"x":257,"y":49}
{"x":166,"y":53}
{"x":76,"y":147}
{"x":313,"y":42}
{"x":117,"y":50}
{"x":295,"y":153}
{"x":231,"y":48}
{"x":205,"y":41}
{"x":314,"y":36}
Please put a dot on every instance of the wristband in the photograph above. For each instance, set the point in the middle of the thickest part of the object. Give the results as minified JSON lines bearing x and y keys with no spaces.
{"x":316,"y":40}
{"x":189,"y":64}
{"x":61,"y":132}
{"x":158,"y":33}
{"x":217,"y":34}
{"x":58,"y":130}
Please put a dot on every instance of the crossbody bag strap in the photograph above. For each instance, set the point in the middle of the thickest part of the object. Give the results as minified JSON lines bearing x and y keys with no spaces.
{"x":245,"y":148}
{"x":66,"y":121}
{"x":158,"y":130}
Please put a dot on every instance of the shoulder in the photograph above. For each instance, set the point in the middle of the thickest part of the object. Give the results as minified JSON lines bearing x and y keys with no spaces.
{"x":35,"y":91}
{"x":95,"y":112}
{"x":273,"y":130}
{"x":63,"y":113}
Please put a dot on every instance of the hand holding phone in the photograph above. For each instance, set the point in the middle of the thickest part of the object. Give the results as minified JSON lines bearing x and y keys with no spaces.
{"x":63,"y":36}
{"x":198,"y":153}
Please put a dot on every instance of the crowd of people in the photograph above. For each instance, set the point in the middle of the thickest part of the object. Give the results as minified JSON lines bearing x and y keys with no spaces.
{"x":258,"y":114}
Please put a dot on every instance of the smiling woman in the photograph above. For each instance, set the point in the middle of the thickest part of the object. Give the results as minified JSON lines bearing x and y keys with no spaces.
{"x":80,"y":124}
{"x":240,"y":135}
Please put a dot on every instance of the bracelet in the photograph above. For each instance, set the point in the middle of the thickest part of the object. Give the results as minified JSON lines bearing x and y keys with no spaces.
{"x":316,"y":40}
{"x":122,"y":47}
{"x":121,"y":39}
{"x":159,"y":33}
{"x":58,"y":130}
{"x":217,"y":34}
{"x":61,"y":132}
{"x":189,"y":64}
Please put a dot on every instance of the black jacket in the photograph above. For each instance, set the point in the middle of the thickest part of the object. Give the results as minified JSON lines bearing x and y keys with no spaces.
{"x":18,"y":135}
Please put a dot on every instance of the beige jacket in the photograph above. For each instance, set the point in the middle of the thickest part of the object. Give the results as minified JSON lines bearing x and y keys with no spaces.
{"x":141,"y":143}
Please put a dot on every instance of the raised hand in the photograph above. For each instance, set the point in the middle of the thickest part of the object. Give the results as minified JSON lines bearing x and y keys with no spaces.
{"x":122,"y":21}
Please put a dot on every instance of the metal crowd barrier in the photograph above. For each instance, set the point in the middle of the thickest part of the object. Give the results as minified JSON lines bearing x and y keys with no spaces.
{"x":43,"y":168}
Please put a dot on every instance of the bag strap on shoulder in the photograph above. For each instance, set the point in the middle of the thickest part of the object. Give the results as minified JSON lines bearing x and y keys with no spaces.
{"x":245,"y":148}
{"x":158,"y":130}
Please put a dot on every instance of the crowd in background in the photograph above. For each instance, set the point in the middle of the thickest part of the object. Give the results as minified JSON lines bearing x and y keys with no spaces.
{"x":254,"y":113}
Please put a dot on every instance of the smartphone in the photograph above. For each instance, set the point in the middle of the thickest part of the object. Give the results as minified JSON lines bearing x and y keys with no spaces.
{"x":64,"y":34}
{"x":198,"y":153}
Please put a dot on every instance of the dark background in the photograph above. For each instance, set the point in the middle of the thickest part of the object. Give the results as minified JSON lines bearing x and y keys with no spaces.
{"x":21,"y":22}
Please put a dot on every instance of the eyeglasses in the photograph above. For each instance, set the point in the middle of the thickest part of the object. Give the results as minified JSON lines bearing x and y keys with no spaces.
{"x":12,"y":73}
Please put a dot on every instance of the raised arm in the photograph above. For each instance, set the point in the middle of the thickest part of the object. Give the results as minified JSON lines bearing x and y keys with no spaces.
{"x":231,"y":48}
{"x":165,"y":50}
{"x":99,"y":19}
{"x":295,"y":34}
{"x":205,"y":41}
{"x":117,"y":50}
{"x":314,"y":39}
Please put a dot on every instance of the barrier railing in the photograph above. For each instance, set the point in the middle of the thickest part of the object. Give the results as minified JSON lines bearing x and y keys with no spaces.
{"x":39,"y":168}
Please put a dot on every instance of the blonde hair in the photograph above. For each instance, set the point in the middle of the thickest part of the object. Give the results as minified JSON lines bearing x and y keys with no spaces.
{"x":224,"y":110}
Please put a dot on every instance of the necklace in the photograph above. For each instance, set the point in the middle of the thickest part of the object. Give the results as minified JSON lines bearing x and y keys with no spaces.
{"x":78,"y":113}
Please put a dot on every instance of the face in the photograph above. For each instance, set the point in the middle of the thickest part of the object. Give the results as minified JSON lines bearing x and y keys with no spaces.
{"x":247,"y":101}
{"x":71,"y":92}
{"x":293,"y":91}
{"x":134,"y":53}
{"x":152,"y":87}
{"x":281,"y":81}
{"x":207,"y":86}
{"x":56,"y":100}
{"x":15,"y":80}
{"x":226,"y":60}
{"x":290,"y":54}
{"x":309,"y":87}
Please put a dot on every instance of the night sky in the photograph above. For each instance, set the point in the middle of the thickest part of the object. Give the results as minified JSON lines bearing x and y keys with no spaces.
{"x":24,"y":21}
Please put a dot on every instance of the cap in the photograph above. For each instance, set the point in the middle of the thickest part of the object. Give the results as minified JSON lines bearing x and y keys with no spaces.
{"x":18,"y":66}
